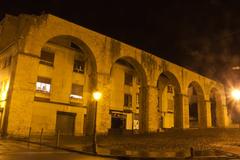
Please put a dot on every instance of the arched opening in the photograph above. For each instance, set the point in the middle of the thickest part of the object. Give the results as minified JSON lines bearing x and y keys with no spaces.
{"x":196,"y":105}
{"x":215,"y":99}
{"x":83,"y":58}
{"x":66,"y":78}
{"x":128,"y":90}
{"x":168,"y":91}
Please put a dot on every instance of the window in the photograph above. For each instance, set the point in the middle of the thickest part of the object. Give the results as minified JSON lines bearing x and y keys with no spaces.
{"x":75,"y":46}
{"x":170,"y":104}
{"x":43,"y":84}
{"x":78,"y":66}
{"x":170,"y":89}
{"x":127,"y":100}
{"x":77,"y":91}
{"x":137,"y":99}
{"x":5,"y":62}
{"x":128,"y":79}
{"x":138,"y":81}
{"x":194,"y":91}
{"x":47,"y":58}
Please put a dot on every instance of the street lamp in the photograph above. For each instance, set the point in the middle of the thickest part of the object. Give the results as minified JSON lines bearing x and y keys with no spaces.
{"x":97,"y":96}
{"x":236,"y":94}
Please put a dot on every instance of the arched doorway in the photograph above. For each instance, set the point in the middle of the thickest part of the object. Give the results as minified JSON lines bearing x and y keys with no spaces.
{"x":196,"y":105}
{"x":66,"y":78}
{"x":168,"y":91}
{"x":215,"y":100}
{"x":128,"y":90}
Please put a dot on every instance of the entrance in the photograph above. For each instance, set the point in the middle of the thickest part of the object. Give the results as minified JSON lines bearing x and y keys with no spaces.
{"x":65,"y":123}
{"x":197,"y":118}
{"x":118,"y":123}
{"x":213,"y":113}
{"x":193,"y":115}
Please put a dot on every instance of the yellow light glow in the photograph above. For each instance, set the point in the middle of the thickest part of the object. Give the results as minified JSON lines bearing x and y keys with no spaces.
{"x":97,"y":95}
{"x":236,"y":94}
{"x":5,"y":92}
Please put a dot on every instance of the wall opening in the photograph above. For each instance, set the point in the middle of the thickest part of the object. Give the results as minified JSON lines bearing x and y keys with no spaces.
{"x":196,"y":106}
{"x":128,"y":85}
{"x":168,"y":91}
{"x":71,"y":66}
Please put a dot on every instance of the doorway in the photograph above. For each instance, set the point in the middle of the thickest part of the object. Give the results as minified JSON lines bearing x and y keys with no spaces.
{"x":65,"y":123}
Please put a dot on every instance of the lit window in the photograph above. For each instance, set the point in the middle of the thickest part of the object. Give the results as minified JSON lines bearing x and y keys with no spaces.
{"x":77,"y":91}
{"x":127,"y":100}
{"x":47,"y":58}
{"x":43,"y":84}
{"x":78,"y":66}
{"x":128,"y":79}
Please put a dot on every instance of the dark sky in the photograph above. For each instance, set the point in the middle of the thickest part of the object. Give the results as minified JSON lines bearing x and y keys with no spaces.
{"x":202,"y":35}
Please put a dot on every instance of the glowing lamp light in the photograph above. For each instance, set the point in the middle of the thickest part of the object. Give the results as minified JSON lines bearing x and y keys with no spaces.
{"x":236,"y":94}
{"x":97,"y":95}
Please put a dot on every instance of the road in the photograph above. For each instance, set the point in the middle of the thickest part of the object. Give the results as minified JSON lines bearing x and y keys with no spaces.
{"x":15,"y":150}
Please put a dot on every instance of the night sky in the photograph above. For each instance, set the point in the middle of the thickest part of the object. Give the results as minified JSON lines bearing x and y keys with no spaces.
{"x":202,"y":35}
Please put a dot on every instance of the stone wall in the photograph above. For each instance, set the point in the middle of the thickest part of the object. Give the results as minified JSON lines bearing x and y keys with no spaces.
{"x":103,"y":52}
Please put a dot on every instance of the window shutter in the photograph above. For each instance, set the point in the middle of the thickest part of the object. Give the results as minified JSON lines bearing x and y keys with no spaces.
{"x":46,"y":57}
{"x":77,"y":89}
{"x":44,"y":80}
{"x":129,"y":100}
{"x":128,"y":79}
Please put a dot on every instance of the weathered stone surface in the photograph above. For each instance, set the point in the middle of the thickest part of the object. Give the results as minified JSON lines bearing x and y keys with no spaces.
{"x":24,"y":43}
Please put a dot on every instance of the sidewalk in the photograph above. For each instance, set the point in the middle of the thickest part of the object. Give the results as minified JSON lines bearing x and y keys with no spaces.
{"x":17,"y":150}
{"x":172,"y":144}
{"x":230,"y":149}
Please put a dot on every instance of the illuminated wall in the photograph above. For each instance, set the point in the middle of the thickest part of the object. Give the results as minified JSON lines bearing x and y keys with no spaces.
{"x":120,"y":89}
{"x":40,"y":88}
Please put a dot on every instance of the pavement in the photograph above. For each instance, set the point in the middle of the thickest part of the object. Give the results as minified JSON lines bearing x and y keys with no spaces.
{"x":16,"y":150}
{"x":175,"y":144}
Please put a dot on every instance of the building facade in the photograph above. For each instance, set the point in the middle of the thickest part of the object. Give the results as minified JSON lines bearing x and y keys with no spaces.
{"x":49,"y":68}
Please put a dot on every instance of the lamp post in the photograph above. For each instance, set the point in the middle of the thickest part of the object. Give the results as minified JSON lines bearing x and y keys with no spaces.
{"x":97,"y":96}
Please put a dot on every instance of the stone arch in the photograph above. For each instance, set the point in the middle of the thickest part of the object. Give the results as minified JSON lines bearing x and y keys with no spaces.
{"x":168,"y":90}
{"x":79,"y":51}
{"x":138,"y":89}
{"x":66,"y":41}
{"x":216,"y":104}
{"x":197,"y":117}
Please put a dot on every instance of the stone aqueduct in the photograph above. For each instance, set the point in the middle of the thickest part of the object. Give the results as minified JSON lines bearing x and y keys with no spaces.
{"x":155,"y":73}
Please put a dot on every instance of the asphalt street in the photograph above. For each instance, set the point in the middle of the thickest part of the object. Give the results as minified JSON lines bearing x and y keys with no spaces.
{"x":15,"y":150}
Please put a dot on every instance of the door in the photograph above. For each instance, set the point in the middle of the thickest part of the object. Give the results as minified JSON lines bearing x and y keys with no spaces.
{"x":65,"y":123}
